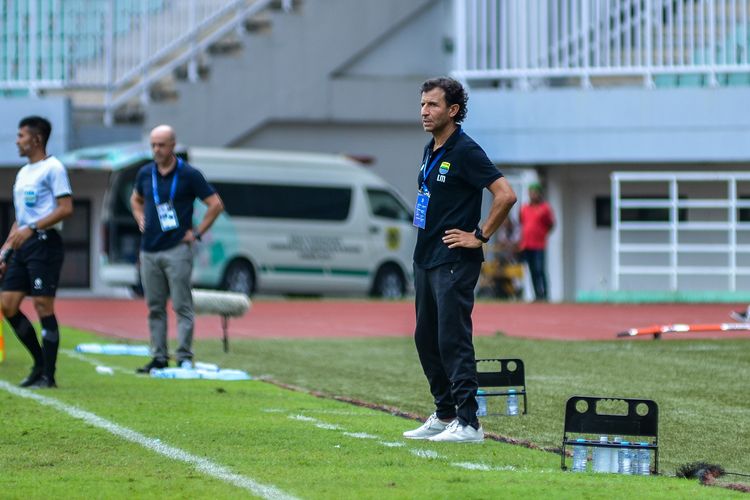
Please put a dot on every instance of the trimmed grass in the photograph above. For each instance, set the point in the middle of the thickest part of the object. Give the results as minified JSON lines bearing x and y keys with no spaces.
{"x":298,"y":442}
{"x":699,"y":385}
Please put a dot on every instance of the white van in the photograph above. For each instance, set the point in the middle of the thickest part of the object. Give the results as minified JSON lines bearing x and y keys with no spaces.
{"x":294,"y":223}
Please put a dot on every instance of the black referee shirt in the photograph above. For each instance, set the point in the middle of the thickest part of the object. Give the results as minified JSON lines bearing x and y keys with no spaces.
{"x":455,"y":184}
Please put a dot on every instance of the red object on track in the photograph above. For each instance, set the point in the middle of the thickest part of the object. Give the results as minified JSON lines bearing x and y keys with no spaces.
{"x":657,"y":330}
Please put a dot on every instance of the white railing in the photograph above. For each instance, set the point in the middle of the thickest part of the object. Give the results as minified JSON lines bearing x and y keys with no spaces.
{"x":118,"y":48}
{"x":693,"y":42}
{"x":671,"y":229}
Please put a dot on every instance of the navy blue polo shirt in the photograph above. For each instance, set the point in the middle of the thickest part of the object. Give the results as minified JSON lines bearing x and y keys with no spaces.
{"x":190,"y":185}
{"x":455,"y":184}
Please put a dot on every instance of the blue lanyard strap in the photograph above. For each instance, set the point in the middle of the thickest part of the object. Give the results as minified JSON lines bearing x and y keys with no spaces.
{"x":172,"y":190}
{"x":426,"y":173}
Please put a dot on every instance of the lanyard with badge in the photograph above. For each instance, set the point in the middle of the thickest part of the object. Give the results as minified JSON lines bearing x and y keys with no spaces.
{"x":423,"y":196}
{"x":165,"y":211}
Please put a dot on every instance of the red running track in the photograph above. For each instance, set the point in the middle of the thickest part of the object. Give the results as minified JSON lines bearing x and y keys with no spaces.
{"x":350,"y":318}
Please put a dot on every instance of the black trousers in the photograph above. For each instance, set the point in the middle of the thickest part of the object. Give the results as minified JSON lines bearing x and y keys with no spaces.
{"x":444,"y":301}
{"x":536,"y":262}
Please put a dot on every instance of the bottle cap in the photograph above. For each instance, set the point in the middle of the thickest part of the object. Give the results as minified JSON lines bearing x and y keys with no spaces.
{"x":480,"y":392}
{"x":511,"y":391}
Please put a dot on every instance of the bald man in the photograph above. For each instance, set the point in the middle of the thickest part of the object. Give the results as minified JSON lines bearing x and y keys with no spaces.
{"x":162,"y":203}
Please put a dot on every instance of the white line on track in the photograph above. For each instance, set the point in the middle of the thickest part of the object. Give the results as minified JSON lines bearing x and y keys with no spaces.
{"x":203,"y":465}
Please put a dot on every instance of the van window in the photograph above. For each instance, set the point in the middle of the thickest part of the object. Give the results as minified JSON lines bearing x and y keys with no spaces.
{"x":275,"y":201}
{"x":384,"y":204}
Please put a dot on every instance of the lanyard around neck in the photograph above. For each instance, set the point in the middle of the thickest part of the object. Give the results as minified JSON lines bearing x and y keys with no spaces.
{"x":426,"y":171}
{"x":172,"y":190}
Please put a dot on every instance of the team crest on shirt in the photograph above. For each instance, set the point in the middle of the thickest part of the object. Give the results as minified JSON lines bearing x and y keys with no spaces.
{"x":444,"y":168}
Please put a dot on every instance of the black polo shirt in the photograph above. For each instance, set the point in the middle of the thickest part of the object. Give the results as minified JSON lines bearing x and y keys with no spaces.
{"x":455,"y":198}
{"x":190,"y":185}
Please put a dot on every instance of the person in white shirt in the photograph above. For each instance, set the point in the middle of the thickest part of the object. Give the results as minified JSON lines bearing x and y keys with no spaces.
{"x":31,"y":257}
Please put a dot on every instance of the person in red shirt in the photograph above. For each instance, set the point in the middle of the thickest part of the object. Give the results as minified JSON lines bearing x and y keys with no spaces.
{"x":537,"y":220}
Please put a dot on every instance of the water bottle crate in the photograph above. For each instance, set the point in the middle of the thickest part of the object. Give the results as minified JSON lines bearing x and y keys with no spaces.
{"x":608,"y":444}
{"x":637,"y":420}
{"x":504,"y":376}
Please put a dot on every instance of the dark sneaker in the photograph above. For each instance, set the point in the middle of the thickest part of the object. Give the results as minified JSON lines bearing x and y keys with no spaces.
{"x":44,"y":383}
{"x":740,"y":316}
{"x":154,"y":363}
{"x":35,"y":376}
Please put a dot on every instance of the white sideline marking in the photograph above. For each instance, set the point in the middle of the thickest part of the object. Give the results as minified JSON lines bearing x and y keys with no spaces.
{"x":94,"y":361}
{"x":482,"y":467}
{"x":201,"y":464}
{"x":360,"y":435}
{"x":429,"y":454}
{"x":425,"y":453}
{"x":392,"y":444}
{"x":328,"y":427}
{"x":304,"y":418}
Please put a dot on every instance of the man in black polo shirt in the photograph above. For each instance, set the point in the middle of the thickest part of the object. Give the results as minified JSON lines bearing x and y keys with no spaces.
{"x":448,"y":257}
{"x":162,"y":204}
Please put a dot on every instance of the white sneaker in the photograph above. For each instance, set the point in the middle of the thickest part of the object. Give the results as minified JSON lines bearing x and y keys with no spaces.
{"x":457,"y":433}
{"x":432,"y":427}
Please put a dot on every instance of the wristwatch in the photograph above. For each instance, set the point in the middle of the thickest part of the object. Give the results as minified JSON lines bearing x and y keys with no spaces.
{"x":33,"y":227}
{"x":481,"y":237}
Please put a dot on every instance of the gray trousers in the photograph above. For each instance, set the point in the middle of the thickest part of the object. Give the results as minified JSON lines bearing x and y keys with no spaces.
{"x":167,"y":274}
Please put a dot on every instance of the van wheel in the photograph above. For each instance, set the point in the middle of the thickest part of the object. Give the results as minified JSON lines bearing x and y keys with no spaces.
{"x":239,"y":277}
{"x":389,"y":283}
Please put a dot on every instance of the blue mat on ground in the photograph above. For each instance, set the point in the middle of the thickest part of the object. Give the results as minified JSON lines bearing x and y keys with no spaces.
{"x":198,"y":373}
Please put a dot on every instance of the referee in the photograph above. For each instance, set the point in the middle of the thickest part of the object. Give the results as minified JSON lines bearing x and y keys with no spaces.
{"x":32,"y":255}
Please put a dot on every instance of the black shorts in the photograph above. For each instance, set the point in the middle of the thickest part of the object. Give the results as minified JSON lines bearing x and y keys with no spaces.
{"x":35,"y":267}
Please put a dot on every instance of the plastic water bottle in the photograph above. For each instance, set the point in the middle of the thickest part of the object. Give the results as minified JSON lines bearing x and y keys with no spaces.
{"x":580,"y":455}
{"x":482,"y":403}
{"x":643,"y":460}
{"x":601,"y":457}
{"x":512,"y":402}
{"x":614,"y":455}
{"x":199,"y":365}
{"x":624,"y":464}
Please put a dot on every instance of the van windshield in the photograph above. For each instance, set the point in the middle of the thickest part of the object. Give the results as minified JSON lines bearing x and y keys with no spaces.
{"x":386,"y":205}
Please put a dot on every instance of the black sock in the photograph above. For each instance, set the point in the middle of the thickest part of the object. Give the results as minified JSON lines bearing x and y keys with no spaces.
{"x":50,"y":343}
{"x":27,"y":335}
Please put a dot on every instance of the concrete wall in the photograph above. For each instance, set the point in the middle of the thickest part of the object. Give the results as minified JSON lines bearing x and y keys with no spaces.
{"x":55,"y":109}
{"x":318,"y":83}
{"x":624,"y":125}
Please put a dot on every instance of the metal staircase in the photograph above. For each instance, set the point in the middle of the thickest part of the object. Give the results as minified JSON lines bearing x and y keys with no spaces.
{"x":113,"y":55}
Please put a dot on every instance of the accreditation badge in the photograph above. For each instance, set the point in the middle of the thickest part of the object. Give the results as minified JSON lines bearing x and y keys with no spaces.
{"x":420,"y":210}
{"x":29,"y":196}
{"x":167,"y":217}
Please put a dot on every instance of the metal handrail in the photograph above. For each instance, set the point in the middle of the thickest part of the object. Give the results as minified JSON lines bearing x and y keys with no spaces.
{"x":121,"y":61}
{"x":522,"y":39}
{"x":724,"y":234}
